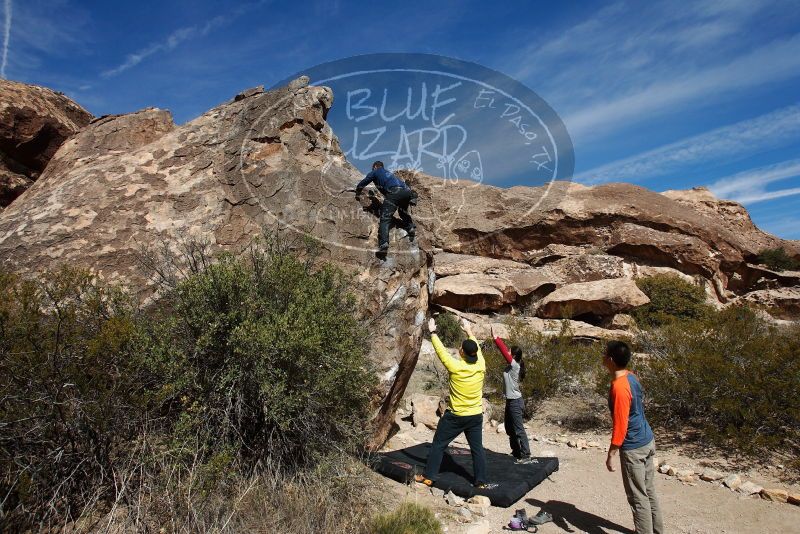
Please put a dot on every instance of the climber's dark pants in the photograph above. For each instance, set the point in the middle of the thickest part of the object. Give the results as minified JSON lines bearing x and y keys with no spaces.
{"x":395,"y":199}
{"x":448,"y":429}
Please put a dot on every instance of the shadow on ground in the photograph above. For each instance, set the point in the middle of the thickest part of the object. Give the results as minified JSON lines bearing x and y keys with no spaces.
{"x":572,"y":519}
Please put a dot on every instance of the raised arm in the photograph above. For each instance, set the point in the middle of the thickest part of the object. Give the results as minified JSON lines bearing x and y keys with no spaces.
{"x":441,"y":351}
{"x":368,"y":179}
{"x":467,"y":328}
{"x":502,"y":346}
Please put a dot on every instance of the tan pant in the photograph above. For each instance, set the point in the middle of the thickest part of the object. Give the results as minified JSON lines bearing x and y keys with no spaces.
{"x":638,"y":473}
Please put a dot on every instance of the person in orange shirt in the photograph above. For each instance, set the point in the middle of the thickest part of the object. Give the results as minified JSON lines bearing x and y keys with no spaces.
{"x":632,"y":437}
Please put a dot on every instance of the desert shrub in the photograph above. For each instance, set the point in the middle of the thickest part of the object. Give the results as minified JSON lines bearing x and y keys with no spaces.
{"x":72,"y":392}
{"x":778,"y":260}
{"x":408,"y":518}
{"x":262,"y":357}
{"x":553,"y":364}
{"x":449,"y":330}
{"x":335,"y":496}
{"x":731,"y":374}
{"x":671,"y":298}
{"x":246,"y":368}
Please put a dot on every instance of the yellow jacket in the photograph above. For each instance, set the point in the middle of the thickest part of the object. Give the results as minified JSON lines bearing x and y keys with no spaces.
{"x":466,"y":380}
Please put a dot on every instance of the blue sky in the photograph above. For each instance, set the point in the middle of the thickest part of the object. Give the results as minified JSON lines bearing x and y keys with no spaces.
{"x":668,"y":95}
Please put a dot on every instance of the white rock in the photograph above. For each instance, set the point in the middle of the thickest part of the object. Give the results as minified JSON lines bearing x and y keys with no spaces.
{"x":465,"y":514}
{"x":732,"y":481}
{"x":424,"y":410}
{"x":452,"y":499}
{"x":664,"y":469}
{"x":749,"y":488}
{"x":479,"y":505}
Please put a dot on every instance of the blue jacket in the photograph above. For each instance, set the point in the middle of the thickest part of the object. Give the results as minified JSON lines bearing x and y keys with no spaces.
{"x":383,"y":180}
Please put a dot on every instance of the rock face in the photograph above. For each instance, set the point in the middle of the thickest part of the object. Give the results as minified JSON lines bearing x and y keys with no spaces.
{"x":263,"y":160}
{"x":474,"y":282}
{"x":782,"y":302}
{"x":639,"y":226}
{"x":34,"y":122}
{"x":270,"y":160}
{"x":599,"y":298}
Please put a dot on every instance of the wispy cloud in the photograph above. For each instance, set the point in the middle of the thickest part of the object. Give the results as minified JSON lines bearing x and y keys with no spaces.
{"x":179,"y":36}
{"x":170,"y":43}
{"x":772,"y":130}
{"x":629,"y":62}
{"x":6,"y":38}
{"x":773,"y":62}
{"x":750,"y":186}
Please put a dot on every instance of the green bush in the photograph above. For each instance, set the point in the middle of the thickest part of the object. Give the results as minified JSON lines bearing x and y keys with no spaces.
{"x":449,"y":330}
{"x":72,"y":392}
{"x":730,"y":374}
{"x":553,"y":364}
{"x":778,"y":260}
{"x":263,"y":357}
{"x":671,"y":298}
{"x":243,"y":366}
{"x":408,"y":518}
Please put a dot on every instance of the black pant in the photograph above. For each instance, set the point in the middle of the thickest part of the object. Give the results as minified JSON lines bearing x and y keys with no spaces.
{"x":449,"y":427}
{"x":394,"y":199}
{"x":515,"y":428}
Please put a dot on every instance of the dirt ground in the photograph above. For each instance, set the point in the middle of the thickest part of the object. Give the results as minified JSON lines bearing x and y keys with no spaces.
{"x":584,"y":497}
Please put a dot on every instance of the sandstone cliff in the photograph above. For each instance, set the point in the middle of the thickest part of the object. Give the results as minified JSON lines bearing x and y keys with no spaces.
{"x":569,"y":233}
{"x":269,"y":159}
{"x":34,"y":121}
{"x":262,"y":160}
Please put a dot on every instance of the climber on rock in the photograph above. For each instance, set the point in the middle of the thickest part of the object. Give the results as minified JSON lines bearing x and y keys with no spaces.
{"x":397,"y":196}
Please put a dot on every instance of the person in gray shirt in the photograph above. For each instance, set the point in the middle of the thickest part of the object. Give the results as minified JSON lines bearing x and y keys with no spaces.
{"x":513,"y":374}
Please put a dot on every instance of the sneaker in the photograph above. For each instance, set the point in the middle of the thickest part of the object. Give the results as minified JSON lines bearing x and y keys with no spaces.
{"x":422,"y":480}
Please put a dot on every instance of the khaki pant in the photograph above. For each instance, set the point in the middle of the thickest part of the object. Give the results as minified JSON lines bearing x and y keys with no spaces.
{"x":638,"y":473}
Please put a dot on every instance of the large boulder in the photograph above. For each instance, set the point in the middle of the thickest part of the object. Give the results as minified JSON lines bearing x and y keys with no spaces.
{"x":503,"y":326}
{"x":426,"y":410}
{"x":263,"y":160}
{"x":706,"y":237}
{"x":783,"y":303}
{"x":477,"y":283}
{"x":600,"y":298}
{"x":34,"y":122}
